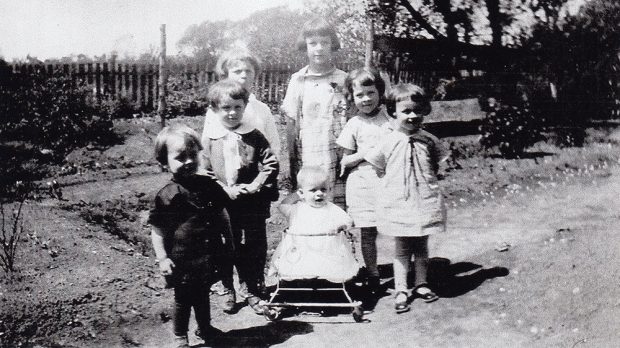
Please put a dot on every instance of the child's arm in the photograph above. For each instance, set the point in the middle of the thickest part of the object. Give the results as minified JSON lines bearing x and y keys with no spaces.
{"x":287,"y":204}
{"x":269,"y":166}
{"x":350,"y":160}
{"x":165,"y":264}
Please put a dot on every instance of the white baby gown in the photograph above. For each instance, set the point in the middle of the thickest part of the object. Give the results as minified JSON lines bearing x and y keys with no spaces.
{"x":313,"y":247}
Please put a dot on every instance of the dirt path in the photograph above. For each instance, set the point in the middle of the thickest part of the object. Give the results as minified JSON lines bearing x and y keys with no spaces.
{"x":555,"y":286}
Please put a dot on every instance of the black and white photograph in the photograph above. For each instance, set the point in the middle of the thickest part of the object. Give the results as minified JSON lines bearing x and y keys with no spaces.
{"x":309,"y":173}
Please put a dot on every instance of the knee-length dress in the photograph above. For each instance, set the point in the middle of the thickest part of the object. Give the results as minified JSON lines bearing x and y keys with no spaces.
{"x":361,"y":134}
{"x":409,"y":201}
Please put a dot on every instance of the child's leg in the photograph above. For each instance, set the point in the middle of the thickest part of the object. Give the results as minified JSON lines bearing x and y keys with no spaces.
{"x":182,"y":309}
{"x":255,"y":249}
{"x":202,"y":308}
{"x":420,"y":262}
{"x":369,"y":250}
{"x":402,"y":259}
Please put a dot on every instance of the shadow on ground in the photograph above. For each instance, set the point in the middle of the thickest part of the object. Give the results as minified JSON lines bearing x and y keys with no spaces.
{"x":261,"y":336}
{"x":449,"y":279}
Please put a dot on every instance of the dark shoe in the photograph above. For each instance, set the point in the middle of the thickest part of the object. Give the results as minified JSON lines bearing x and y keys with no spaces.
{"x":230,"y":301}
{"x":401,"y":306}
{"x":425,"y":293}
{"x":255,"y":303}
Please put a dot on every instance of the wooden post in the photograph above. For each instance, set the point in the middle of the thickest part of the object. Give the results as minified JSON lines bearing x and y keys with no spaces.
{"x":370,"y":38}
{"x":163,"y":78}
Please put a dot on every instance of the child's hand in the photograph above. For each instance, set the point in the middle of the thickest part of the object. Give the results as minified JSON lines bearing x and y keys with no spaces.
{"x":249,"y":189}
{"x":234,"y":191}
{"x":165,"y":266}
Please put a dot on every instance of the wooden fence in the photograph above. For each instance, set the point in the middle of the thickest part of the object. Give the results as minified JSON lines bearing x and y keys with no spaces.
{"x":138,"y":82}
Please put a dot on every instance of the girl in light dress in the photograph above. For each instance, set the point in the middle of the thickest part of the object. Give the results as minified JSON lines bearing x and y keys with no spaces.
{"x":315,"y":107}
{"x":410,"y":206}
{"x":365,"y":90}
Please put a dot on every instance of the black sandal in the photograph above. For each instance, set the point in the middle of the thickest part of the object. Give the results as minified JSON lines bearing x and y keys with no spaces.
{"x":427,"y":296}
{"x":402,"y":306}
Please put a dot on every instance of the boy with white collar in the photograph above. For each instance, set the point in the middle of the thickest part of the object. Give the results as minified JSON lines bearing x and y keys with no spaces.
{"x":244,"y":164}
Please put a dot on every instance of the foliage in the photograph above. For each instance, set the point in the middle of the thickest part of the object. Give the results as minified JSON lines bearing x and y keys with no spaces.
{"x":12,"y":230}
{"x":122,"y":107}
{"x":50,"y":112}
{"x":269,"y":33}
{"x":186,"y":97}
{"x":512,"y":128}
{"x":579,"y":55}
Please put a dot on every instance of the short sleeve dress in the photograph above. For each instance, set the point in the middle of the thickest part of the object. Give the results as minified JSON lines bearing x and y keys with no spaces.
{"x":361,"y":134}
{"x":316,"y":102}
{"x":410,"y":202}
{"x":313,"y":247}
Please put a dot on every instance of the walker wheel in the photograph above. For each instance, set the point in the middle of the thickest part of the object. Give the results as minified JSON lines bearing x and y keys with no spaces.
{"x":271,"y":314}
{"x":358,"y":314}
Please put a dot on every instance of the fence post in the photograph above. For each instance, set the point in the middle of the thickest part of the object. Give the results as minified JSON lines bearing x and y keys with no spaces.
{"x":163,"y":78}
{"x":370,"y":38}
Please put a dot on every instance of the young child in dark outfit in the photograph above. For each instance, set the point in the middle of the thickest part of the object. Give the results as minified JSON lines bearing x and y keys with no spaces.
{"x":189,"y":220}
{"x":241,"y":159}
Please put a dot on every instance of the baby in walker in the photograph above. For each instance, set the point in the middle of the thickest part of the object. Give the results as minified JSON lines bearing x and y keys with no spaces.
{"x":315,"y":245}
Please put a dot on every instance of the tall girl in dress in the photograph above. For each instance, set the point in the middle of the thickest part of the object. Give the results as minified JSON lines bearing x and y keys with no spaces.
{"x":314,"y":105}
{"x":410,"y":206}
{"x":365,"y":91}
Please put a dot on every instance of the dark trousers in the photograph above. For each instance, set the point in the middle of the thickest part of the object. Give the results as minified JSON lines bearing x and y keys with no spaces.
{"x":188,"y":294}
{"x":250,"y":255}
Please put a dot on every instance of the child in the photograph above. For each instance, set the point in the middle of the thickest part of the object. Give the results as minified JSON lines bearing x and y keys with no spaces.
{"x":242,"y":161}
{"x":410,"y":206}
{"x":242,"y":66}
{"x":365,"y":90}
{"x":312,"y":247}
{"x":188,"y":220}
{"x":314,"y":105}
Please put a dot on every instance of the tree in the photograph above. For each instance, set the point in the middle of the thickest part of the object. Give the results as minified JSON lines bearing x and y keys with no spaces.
{"x":269,"y":33}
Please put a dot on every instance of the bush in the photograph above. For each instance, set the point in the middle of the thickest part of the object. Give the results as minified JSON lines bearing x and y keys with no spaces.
{"x":50,"y":112}
{"x":511,"y":128}
{"x":186,"y":97}
{"x":118,"y":108}
{"x":12,"y":230}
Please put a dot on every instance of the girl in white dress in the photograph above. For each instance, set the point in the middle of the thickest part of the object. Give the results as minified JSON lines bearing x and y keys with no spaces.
{"x":364,"y":90}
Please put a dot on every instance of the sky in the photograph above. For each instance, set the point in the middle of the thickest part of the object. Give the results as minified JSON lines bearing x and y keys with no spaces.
{"x":58,"y":28}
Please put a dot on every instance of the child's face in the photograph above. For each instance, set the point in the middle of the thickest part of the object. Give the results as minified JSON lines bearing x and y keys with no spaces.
{"x":242,"y":72}
{"x":365,"y":98}
{"x":319,"y":49}
{"x":314,"y":193}
{"x":409,"y":115}
{"x":230,"y":112}
{"x":182,"y":157}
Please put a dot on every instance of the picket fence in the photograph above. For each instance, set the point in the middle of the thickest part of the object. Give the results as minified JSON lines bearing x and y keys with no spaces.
{"x":138,"y":82}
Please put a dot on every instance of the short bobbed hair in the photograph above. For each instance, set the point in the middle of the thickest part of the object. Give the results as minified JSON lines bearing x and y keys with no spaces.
{"x":226,"y":88}
{"x":189,"y":135}
{"x":407,"y":91}
{"x":317,"y":27}
{"x":366,"y":76}
{"x":309,"y":175}
{"x":232,"y":56}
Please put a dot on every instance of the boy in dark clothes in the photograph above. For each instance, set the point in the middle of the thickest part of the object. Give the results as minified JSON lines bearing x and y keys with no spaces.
{"x":189,"y":221}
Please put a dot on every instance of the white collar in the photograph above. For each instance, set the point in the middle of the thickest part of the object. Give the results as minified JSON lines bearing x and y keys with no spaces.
{"x":217,"y":131}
